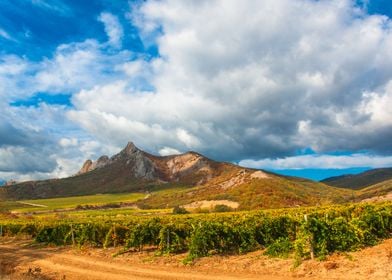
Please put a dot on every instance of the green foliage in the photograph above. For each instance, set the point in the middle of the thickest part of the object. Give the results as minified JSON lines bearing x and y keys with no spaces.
{"x":173,"y":237}
{"x":222,"y":208}
{"x":179,"y":210}
{"x":301,"y":231}
{"x":280,"y":248}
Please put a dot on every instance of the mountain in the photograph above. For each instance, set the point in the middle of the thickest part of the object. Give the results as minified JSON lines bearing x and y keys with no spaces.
{"x":131,"y":170}
{"x":360,"y":180}
{"x":180,"y":180}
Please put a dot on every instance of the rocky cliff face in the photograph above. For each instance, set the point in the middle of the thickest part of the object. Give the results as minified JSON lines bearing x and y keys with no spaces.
{"x":188,"y":163}
{"x":146,"y":166}
{"x":87,"y":166}
{"x":138,"y":162}
{"x":90,"y":165}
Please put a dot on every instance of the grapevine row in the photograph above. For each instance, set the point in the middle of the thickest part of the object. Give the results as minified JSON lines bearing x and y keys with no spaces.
{"x":305,"y":232}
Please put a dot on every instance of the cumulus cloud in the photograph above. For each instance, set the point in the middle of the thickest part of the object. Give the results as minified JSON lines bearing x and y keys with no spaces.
{"x":18,"y":159}
{"x":74,"y":66}
{"x":68,"y":142}
{"x":167,"y":151}
{"x":321,"y":162}
{"x":113,"y":29}
{"x":297,"y":74}
{"x":40,"y":141}
{"x":294,"y":75}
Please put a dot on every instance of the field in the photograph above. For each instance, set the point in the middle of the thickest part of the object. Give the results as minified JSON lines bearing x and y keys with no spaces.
{"x":303,"y":232}
{"x":69,"y":202}
{"x":297,"y":236}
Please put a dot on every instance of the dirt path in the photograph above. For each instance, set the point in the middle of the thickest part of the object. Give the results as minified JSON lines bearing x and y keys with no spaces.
{"x":32,"y":204}
{"x":72,"y":264}
{"x":65,"y":263}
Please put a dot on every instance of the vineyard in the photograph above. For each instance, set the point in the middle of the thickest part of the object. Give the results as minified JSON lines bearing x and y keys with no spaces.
{"x":302,"y":232}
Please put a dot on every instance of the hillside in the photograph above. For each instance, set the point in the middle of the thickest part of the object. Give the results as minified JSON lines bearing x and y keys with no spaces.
{"x":180,"y":180}
{"x":378,"y":192}
{"x":360,"y":180}
{"x":252,"y":193}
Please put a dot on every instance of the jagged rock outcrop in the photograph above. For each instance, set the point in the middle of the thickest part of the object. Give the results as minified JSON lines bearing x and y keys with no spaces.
{"x":101,"y":162}
{"x":186,"y":164}
{"x":86,"y":167}
{"x":153,"y":168}
{"x":141,"y":166}
{"x":90,"y":165}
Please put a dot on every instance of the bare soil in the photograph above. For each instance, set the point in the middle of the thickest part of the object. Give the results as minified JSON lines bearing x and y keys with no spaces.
{"x":387,"y":197}
{"x":210,"y":204}
{"x":20,"y":259}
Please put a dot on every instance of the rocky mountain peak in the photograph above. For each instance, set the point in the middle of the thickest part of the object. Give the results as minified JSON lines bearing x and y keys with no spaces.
{"x":130,"y":149}
{"x":102,"y":161}
{"x":86,"y":167}
{"x":148,"y":167}
{"x":90,"y":165}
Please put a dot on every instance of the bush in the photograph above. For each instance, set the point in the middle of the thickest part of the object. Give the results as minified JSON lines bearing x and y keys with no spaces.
{"x":179,"y":210}
{"x":280,"y":248}
{"x":222,"y":208}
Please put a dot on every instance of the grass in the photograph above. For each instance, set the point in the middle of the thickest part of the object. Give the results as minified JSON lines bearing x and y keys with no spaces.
{"x":274,"y":192}
{"x":10,"y":205}
{"x":379,"y":189}
{"x":72,"y":202}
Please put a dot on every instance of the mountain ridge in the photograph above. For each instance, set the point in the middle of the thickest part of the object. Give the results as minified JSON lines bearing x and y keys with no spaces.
{"x":361,"y":180}
{"x":178,"y":180}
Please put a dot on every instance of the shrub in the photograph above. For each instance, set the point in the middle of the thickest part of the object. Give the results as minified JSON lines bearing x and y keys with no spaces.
{"x":222,"y":208}
{"x":179,"y":210}
{"x":280,"y":248}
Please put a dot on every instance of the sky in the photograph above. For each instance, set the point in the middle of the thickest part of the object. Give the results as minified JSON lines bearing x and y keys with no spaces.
{"x":300,"y":87}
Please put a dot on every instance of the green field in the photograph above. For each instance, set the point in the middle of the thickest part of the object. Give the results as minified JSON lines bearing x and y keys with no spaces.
{"x":299,"y":232}
{"x":70,"y":202}
{"x":10,"y":206}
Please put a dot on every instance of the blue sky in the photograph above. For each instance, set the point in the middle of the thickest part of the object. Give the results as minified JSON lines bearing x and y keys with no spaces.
{"x":302,"y":88}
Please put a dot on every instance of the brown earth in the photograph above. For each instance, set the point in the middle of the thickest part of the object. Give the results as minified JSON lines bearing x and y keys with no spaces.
{"x":387,"y":197}
{"x":21,"y":260}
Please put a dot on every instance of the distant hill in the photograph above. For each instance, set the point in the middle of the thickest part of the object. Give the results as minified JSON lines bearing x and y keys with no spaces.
{"x":180,"y":180}
{"x":360,"y":180}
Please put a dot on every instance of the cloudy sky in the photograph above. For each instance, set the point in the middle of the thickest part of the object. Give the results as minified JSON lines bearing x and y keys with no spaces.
{"x":302,"y":87}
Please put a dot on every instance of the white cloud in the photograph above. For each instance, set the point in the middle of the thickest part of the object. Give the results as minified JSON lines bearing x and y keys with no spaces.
{"x":113,"y":29}
{"x":167,"y":151}
{"x":22,"y":159}
{"x":378,"y":105}
{"x":321,"y":162}
{"x":5,"y":35}
{"x":56,"y":6}
{"x":67,"y":142}
{"x":73,"y":67}
{"x":297,"y":75}
{"x":293,"y":75}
